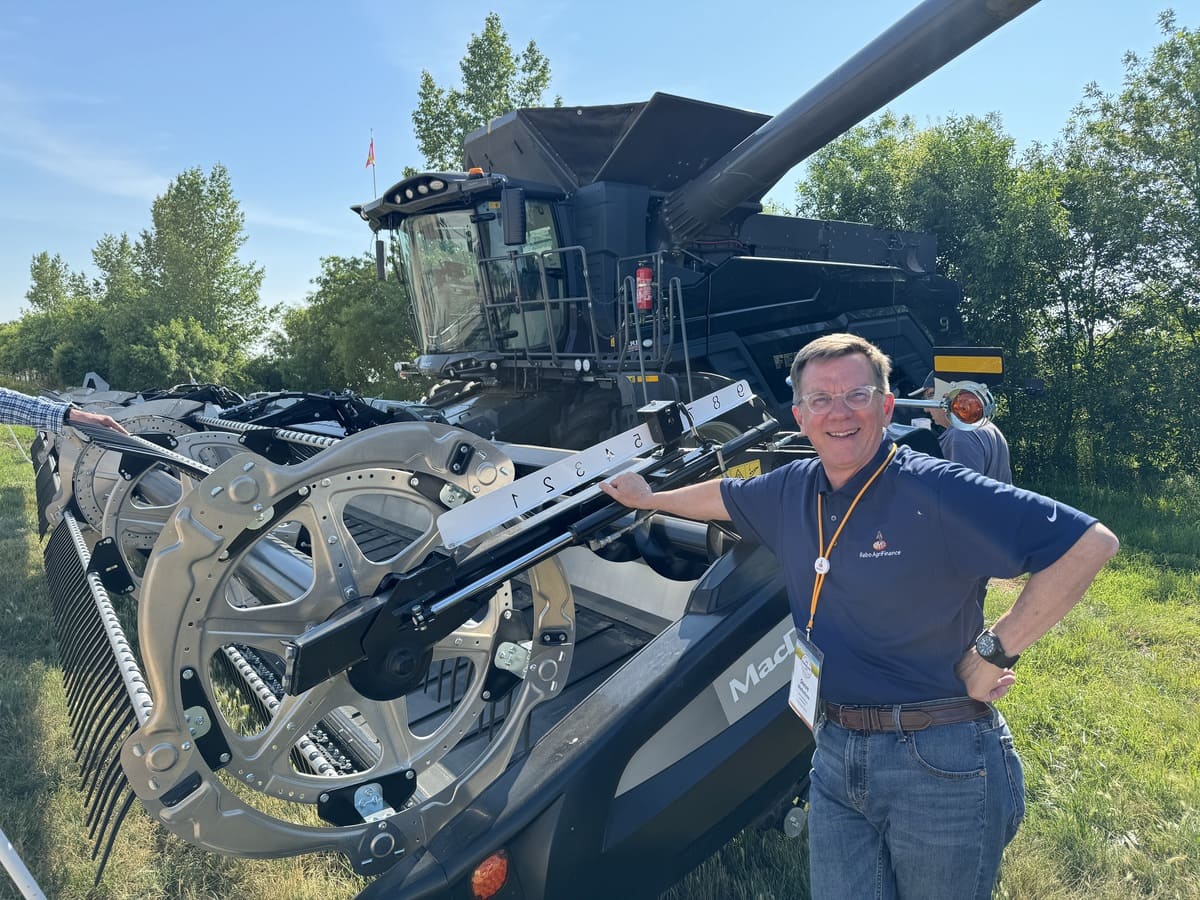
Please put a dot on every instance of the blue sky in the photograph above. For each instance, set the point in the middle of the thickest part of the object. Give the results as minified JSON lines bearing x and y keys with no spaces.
{"x":102,"y":104}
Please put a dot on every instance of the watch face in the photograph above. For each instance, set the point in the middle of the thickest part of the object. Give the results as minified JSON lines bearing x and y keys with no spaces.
{"x":985,"y":644}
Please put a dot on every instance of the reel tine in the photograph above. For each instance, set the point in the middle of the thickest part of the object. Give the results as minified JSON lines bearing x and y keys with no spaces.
{"x":106,"y":693}
{"x":119,"y":728}
{"x":110,"y":787}
{"x":109,"y":700}
{"x":112,"y":835}
{"x":90,"y":689}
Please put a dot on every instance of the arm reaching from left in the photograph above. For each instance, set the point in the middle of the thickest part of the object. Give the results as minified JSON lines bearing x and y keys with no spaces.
{"x":76,"y":416}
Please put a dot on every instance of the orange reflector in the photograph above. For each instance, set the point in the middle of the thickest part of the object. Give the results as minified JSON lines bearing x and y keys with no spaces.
{"x":489,"y":876}
{"x":475,"y":172}
{"x":967,"y":407}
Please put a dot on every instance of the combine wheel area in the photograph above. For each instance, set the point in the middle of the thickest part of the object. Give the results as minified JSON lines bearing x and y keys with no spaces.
{"x":230,"y":763}
{"x":96,"y":471}
{"x":139,"y":504}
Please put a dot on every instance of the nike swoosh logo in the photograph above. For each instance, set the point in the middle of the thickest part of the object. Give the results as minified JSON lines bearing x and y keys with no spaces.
{"x":1053,"y":515}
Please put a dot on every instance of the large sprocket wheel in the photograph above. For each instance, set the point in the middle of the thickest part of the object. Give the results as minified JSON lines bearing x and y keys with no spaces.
{"x":220,"y":583}
{"x":139,"y":505}
{"x":97,"y":470}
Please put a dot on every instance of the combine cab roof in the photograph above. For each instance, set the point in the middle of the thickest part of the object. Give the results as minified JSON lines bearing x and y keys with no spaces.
{"x":662,"y":143}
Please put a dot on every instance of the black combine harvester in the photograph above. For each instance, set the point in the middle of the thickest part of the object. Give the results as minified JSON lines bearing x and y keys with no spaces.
{"x":434,"y":645}
{"x":595,"y":259}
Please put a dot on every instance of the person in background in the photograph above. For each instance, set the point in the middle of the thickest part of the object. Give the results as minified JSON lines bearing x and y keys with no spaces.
{"x":983,"y":449}
{"x":48,"y":415}
{"x":916,"y":787}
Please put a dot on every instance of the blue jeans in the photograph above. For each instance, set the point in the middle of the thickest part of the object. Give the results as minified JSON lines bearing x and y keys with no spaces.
{"x":920,"y":814}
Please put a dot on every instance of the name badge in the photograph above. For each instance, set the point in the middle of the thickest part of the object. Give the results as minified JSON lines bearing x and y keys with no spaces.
{"x":805,"y":693}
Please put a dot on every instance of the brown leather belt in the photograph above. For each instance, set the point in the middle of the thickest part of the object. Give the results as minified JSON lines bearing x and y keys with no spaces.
{"x":912,"y":718}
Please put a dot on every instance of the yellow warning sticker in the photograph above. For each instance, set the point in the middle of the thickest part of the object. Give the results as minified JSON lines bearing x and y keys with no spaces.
{"x":744,"y":470}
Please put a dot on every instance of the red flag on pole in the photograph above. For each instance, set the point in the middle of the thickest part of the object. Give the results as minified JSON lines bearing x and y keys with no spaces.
{"x":370,"y":155}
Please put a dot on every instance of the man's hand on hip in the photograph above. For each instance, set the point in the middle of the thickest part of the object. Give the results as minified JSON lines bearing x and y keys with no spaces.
{"x":984,"y":681}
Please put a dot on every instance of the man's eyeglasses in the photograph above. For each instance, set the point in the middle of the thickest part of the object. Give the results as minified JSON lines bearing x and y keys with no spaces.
{"x":820,"y":402}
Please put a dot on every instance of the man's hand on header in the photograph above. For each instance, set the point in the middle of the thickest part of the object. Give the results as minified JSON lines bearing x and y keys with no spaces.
{"x":630,"y":489}
{"x":77,"y":416}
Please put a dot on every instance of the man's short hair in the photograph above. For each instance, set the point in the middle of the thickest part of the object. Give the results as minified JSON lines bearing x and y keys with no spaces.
{"x":835,"y":346}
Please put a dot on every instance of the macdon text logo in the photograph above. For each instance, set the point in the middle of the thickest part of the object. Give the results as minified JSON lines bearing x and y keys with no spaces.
{"x":756,"y":672}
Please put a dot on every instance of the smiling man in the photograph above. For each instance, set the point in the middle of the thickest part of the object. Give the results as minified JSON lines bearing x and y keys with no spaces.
{"x":886,"y":552}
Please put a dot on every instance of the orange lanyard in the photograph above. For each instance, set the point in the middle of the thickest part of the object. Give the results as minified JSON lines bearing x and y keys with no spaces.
{"x":821,"y":563}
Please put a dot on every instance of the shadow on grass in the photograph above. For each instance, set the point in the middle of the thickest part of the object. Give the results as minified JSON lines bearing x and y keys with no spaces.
{"x":29,"y":677}
{"x":758,"y":864}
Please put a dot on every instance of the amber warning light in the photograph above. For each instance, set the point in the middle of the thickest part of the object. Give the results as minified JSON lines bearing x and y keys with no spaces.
{"x":968,"y":407}
{"x":489,"y":876}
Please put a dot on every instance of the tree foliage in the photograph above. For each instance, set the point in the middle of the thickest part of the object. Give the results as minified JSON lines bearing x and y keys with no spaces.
{"x":174,"y":305}
{"x":182,"y":304}
{"x":494,"y":81}
{"x":349,"y":333}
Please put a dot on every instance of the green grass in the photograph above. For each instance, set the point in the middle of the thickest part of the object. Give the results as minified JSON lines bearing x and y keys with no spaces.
{"x":1106,"y":714}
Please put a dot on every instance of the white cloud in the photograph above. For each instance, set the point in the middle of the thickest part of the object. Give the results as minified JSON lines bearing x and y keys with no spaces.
{"x":27,"y":139}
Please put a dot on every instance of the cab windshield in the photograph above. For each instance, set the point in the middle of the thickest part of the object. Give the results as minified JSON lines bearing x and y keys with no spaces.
{"x":445,"y":256}
{"x":440,"y":252}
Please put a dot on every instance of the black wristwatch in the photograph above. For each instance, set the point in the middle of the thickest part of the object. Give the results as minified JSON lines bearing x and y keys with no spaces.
{"x":989,"y":647}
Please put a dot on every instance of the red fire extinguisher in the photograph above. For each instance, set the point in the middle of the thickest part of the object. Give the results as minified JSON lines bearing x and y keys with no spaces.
{"x":645,"y":288}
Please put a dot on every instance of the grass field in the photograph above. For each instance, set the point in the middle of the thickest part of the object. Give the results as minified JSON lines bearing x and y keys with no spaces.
{"x":1105,"y":716}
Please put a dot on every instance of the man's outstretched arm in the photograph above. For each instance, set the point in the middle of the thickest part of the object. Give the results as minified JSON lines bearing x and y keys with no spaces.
{"x":701,"y":502}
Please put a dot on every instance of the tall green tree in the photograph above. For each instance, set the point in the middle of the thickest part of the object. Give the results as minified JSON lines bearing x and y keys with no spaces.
{"x":52,"y":282}
{"x":180,"y":303}
{"x":1144,"y":140}
{"x":860,"y":177}
{"x":960,"y":180}
{"x":494,"y":81}
{"x":58,"y":335}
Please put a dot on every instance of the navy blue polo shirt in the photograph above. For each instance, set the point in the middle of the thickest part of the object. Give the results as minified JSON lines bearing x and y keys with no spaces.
{"x":904,"y":594}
